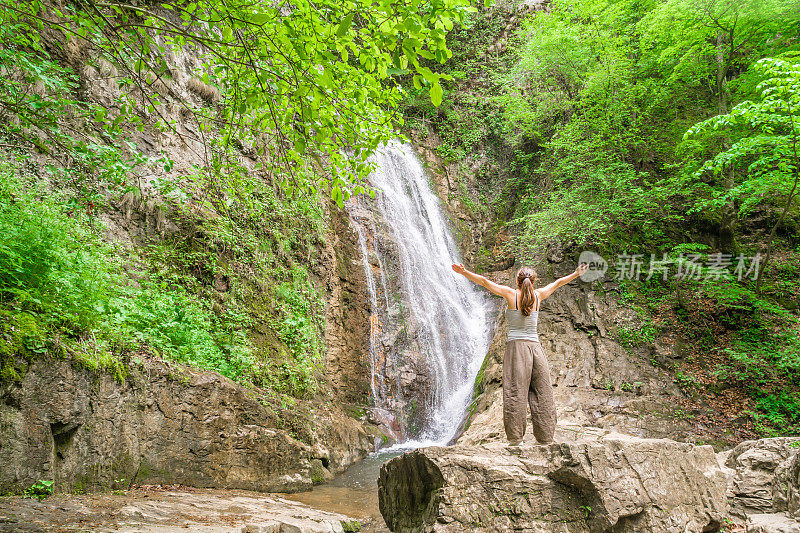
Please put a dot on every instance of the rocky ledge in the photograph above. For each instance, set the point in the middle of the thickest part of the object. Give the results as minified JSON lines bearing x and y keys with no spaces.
{"x":157,"y":510}
{"x":606,"y":483}
{"x":164,"y":425}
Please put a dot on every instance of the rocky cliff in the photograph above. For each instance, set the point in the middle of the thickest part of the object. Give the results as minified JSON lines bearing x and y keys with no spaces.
{"x":165,"y":425}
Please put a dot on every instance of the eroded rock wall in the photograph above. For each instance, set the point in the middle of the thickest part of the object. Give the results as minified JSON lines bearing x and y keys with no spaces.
{"x":347,"y":312}
{"x":164,"y":425}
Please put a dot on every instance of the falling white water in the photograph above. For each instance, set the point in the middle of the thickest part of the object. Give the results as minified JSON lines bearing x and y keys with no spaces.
{"x":373,"y":304}
{"x":448,"y":311}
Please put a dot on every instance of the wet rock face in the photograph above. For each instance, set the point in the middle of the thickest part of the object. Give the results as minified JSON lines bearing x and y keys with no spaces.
{"x":611,"y":483}
{"x":403,"y":381}
{"x":85,"y":430}
{"x":347,"y":322}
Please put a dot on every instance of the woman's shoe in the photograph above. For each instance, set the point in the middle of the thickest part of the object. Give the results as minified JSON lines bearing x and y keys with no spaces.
{"x":515,"y":443}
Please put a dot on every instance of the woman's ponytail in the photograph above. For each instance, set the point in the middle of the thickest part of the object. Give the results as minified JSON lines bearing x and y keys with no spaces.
{"x":525,"y":279}
{"x":526,"y":302}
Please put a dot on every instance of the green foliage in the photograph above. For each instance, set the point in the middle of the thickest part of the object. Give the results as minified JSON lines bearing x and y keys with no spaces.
{"x":593,"y":99}
{"x":39,"y":110}
{"x":299,"y":329}
{"x":298,"y":84}
{"x":351,"y":526}
{"x":763,"y":356}
{"x":20,"y":334}
{"x":41,"y":249}
{"x":638,"y":297}
{"x":470,"y":126}
{"x":634,"y":337}
{"x":468,"y":119}
{"x":39,"y":490}
{"x":608,"y":203}
{"x":763,"y":163}
{"x":66,"y":288}
{"x":179,"y":326}
{"x":762,"y":159}
{"x":686,"y":379}
{"x":780,"y":409}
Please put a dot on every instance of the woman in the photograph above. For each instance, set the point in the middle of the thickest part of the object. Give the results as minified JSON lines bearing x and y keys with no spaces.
{"x":526,"y":373}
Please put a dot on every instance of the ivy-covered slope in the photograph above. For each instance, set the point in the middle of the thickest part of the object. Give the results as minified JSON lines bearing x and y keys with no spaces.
{"x":130,"y":239}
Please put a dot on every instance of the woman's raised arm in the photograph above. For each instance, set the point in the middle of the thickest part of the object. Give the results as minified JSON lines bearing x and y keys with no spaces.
{"x":500,"y":290}
{"x":547,"y":290}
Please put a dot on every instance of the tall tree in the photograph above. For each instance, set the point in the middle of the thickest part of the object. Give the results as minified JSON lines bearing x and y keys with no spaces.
{"x":765,"y":152}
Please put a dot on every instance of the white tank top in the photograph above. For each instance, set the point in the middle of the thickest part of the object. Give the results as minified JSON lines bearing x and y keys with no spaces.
{"x":521,"y":327}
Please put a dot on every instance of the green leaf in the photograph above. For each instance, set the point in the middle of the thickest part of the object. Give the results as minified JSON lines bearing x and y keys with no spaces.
{"x":336,"y":194}
{"x":261,"y":18}
{"x":429,"y":76}
{"x":436,"y":94}
{"x":344,"y":25}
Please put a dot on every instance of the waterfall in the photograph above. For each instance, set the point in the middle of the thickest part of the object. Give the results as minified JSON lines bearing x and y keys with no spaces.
{"x":441,"y":313}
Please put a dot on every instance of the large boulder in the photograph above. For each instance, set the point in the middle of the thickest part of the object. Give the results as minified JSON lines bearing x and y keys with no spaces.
{"x":610,"y":483}
{"x":764,"y":477}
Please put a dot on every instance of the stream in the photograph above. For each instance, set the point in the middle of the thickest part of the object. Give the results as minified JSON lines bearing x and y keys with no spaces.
{"x":353,"y":492}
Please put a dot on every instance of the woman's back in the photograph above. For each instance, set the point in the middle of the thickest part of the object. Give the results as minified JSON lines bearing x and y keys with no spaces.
{"x":521,"y":327}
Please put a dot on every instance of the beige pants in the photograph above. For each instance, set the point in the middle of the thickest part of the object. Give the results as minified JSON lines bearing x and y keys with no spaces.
{"x":526,"y":382}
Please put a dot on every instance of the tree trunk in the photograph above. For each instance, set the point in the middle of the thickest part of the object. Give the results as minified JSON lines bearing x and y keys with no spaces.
{"x":786,"y":207}
{"x":722,"y":106}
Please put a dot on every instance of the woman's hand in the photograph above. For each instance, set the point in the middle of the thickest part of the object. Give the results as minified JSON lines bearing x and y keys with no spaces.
{"x":582,"y":268}
{"x":459,"y":269}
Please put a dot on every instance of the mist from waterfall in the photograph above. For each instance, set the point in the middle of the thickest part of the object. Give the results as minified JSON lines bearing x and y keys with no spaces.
{"x":448,"y":312}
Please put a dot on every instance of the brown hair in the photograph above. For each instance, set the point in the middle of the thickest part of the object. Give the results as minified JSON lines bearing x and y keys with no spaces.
{"x":526,"y":277}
